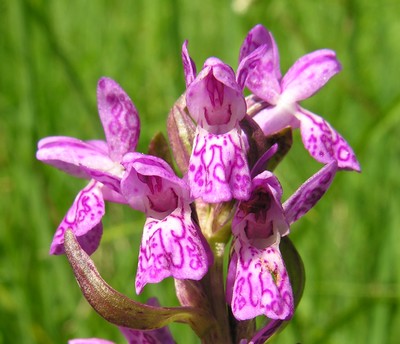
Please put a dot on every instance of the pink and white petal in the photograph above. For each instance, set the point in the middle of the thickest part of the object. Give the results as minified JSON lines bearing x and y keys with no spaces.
{"x":72,"y":155}
{"x":149,"y":180}
{"x":262,"y":285}
{"x":264,"y":78}
{"x":275,"y":118}
{"x":309,"y":193}
{"x":309,"y":74}
{"x":84,"y":219}
{"x":214,"y":99}
{"x":119,"y":117}
{"x":173,"y":246}
{"x":89,"y":341}
{"x":158,"y":336}
{"x":324,"y":143}
{"x":218,"y":169}
{"x":189,"y":67}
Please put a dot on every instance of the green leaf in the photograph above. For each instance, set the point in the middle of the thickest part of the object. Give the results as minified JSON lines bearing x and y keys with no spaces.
{"x":118,"y":308}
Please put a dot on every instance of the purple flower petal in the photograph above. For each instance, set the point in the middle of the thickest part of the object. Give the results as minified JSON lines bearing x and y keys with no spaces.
{"x":84,"y":219}
{"x":264,"y":79}
{"x":324,"y":143}
{"x":214,"y":99}
{"x":218,"y":169}
{"x":261,"y":284}
{"x":309,"y":74}
{"x":261,"y":216}
{"x":309,"y":193}
{"x":119,"y":118}
{"x":150,"y":185}
{"x":189,"y":66}
{"x":89,"y":341}
{"x":72,"y":155}
{"x":159,"y":336}
{"x":275,"y":118}
{"x":173,"y":246}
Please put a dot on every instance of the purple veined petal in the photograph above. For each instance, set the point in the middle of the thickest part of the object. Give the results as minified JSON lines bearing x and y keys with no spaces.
{"x":89,"y":341}
{"x":324,"y":143}
{"x":84,"y":219}
{"x":248,"y":64}
{"x":262,"y":285}
{"x":218,"y":169}
{"x":214,"y":99}
{"x":119,"y":117}
{"x":72,"y":155}
{"x":261,"y":217}
{"x":173,"y":246}
{"x":111,"y":178}
{"x":189,"y":67}
{"x":310,"y":192}
{"x":151,"y":186}
{"x":264,"y":79}
{"x":309,"y":74}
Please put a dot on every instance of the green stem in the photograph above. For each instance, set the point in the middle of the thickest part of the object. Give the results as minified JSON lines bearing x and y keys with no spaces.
{"x":214,"y":286}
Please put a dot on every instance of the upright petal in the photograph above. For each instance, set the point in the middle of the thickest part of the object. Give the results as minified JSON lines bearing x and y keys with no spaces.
{"x":173,"y":246}
{"x":308,"y":74}
{"x":189,"y":67}
{"x":309,"y":193}
{"x":84,"y":219}
{"x":218,"y":169}
{"x":261,"y":284}
{"x":214,"y":99}
{"x":264,"y":79}
{"x":119,"y":117}
{"x":324,"y":143}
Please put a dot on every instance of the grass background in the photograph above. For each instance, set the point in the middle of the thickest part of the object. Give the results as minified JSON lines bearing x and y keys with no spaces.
{"x":51,"y":55}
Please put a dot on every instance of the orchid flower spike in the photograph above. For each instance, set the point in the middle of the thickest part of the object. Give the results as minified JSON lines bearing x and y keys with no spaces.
{"x":97,"y":160}
{"x":306,"y":77}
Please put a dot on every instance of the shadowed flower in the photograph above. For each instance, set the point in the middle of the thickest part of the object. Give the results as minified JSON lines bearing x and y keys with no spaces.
{"x":308,"y":75}
{"x":257,"y":282}
{"x":172,"y":243}
{"x":96,"y":160}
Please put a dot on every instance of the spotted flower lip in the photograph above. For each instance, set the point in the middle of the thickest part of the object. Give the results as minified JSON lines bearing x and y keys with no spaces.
{"x":96,"y":160}
{"x":306,"y":77}
{"x":257,"y":281}
{"x":172,"y":243}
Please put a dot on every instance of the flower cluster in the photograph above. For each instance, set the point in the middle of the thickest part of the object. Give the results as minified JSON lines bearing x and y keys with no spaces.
{"x":221,"y":191}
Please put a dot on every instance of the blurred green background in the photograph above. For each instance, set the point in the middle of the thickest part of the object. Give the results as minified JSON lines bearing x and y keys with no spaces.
{"x":51,"y":55}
